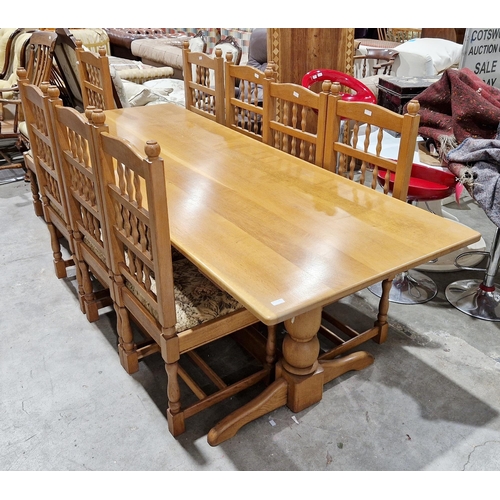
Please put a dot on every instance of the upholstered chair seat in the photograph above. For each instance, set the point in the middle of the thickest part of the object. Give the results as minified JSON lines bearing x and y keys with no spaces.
{"x":197,"y":299}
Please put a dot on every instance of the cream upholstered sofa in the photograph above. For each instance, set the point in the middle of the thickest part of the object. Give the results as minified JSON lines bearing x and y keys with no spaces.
{"x":172,"y":89}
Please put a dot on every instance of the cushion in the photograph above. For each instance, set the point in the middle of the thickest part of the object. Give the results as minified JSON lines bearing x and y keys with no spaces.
{"x":372,"y":83}
{"x":197,"y":44}
{"x":197,"y":299}
{"x":426,"y":56}
{"x":257,"y":50}
{"x":158,"y":50}
{"x":229,"y":47}
{"x":172,"y":89}
{"x":92,"y":38}
{"x":119,"y":87}
{"x":140,"y":95}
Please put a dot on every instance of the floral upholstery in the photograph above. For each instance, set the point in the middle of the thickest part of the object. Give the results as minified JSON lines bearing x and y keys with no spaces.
{"x":197,"y":299}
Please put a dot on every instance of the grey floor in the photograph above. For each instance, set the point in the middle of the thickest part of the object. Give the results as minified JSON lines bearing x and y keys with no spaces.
{"x":430,"y":402}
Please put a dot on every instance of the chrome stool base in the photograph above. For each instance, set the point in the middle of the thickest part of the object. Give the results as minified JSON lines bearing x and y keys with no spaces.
{"x":408,"y":288}
{"x":479,"y":298}
{"x":472,"y":297}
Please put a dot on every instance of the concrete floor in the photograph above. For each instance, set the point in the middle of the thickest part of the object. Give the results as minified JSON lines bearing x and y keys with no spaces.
{"x":430,"y":402}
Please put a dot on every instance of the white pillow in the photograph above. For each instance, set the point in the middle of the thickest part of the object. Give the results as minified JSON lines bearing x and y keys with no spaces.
{"x":442,"y":54}
{"x":137,"y":94}
{"x":196,"y":44}
{"x":119,"y":87}
{"x":171,"y":88}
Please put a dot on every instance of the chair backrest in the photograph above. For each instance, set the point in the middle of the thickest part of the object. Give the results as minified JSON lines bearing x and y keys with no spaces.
{"x":40,"y":54}
{"x":95,"y":78}
{"x":245,"y":90}
{"x":204,"y":83}
{"x":17,"y":59}
{"x":373,"y":61}
{"x":382,"y":33}
{"x":134,"y":194}
{"x":77,"y":157}
{"x":7,"y":37}
{"x":295,"y":119}
{"x":36,"y":105}
{"x":360,"y":139}
{"x":229,"y":45}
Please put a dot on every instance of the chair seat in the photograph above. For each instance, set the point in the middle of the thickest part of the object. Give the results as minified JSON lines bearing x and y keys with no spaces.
{"x":426,"y":183}
{"x":197,"y":299}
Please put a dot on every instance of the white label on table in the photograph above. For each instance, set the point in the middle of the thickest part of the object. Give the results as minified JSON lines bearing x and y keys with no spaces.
{"x":277,"y":302}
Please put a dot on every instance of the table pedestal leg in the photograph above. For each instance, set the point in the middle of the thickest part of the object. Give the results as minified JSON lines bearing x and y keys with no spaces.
{"x":299,"y":376}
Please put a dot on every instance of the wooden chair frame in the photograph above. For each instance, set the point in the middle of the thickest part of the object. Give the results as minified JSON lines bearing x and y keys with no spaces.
{"x":202,"y":95}
{"x":6,"y":66}
{"x":245,"y":90}
{"x":47,"y":167}
{"x":95,"y":79}
{"x":295,"y":119}
{"x":134,"y":194}
{"x":381,"y":59}
{"x":74,"y":135}
{"x":37,"y":49}
{"x":344,"y":157}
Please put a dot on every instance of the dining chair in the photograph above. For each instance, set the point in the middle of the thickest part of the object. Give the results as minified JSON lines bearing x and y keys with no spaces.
{"x":204,"y":83}
{"x":294,"y":119}
{"x":374,"y":60}
{"x":168,"y":298}
{"x":355,"y":137}
{"x":33,"y":51}
{"x":96,"y":83}
{"x":76,"y":155}
{"x":36,"y":107}
{"x":245,"y":90}
{"x":7,"y":38}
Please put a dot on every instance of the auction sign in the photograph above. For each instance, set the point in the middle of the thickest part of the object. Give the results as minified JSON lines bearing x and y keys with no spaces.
{"x":481,"y":54}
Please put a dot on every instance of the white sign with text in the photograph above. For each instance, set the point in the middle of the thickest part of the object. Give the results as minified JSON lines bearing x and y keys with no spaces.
{"x":481,"y":54}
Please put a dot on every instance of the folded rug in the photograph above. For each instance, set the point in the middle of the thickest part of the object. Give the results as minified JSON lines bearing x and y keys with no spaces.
{"x":476,"y":163}
{"x":457,"y":106}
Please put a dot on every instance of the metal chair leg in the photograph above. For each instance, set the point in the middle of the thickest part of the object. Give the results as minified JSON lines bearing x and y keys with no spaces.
{"x":479,"y":299}
{"x":410,"y":287}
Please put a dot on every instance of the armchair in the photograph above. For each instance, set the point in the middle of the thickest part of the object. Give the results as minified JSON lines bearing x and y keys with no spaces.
{"x":35,"y":47}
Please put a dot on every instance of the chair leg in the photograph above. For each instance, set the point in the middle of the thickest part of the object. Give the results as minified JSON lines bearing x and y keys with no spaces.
{"x":479,"y":298}
{"x":175,"y":417}
{"x":35,"y":192}
{"x":409,"y":287}
{"x":59,"y":262}
{"x":126,"y":347}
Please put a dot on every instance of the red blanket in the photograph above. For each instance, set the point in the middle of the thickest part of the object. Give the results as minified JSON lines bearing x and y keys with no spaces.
{"x":457,"y":106}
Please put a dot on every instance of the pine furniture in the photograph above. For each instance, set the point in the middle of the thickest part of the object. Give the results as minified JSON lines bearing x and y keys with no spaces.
{"x":283,"y":237}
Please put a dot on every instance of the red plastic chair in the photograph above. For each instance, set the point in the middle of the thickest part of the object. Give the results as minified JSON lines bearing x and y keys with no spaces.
{"x":363,"y":93}
{"x":426,"y":183}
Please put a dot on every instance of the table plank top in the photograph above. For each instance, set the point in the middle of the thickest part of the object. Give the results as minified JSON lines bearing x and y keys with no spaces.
{"x":281,"y":235}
